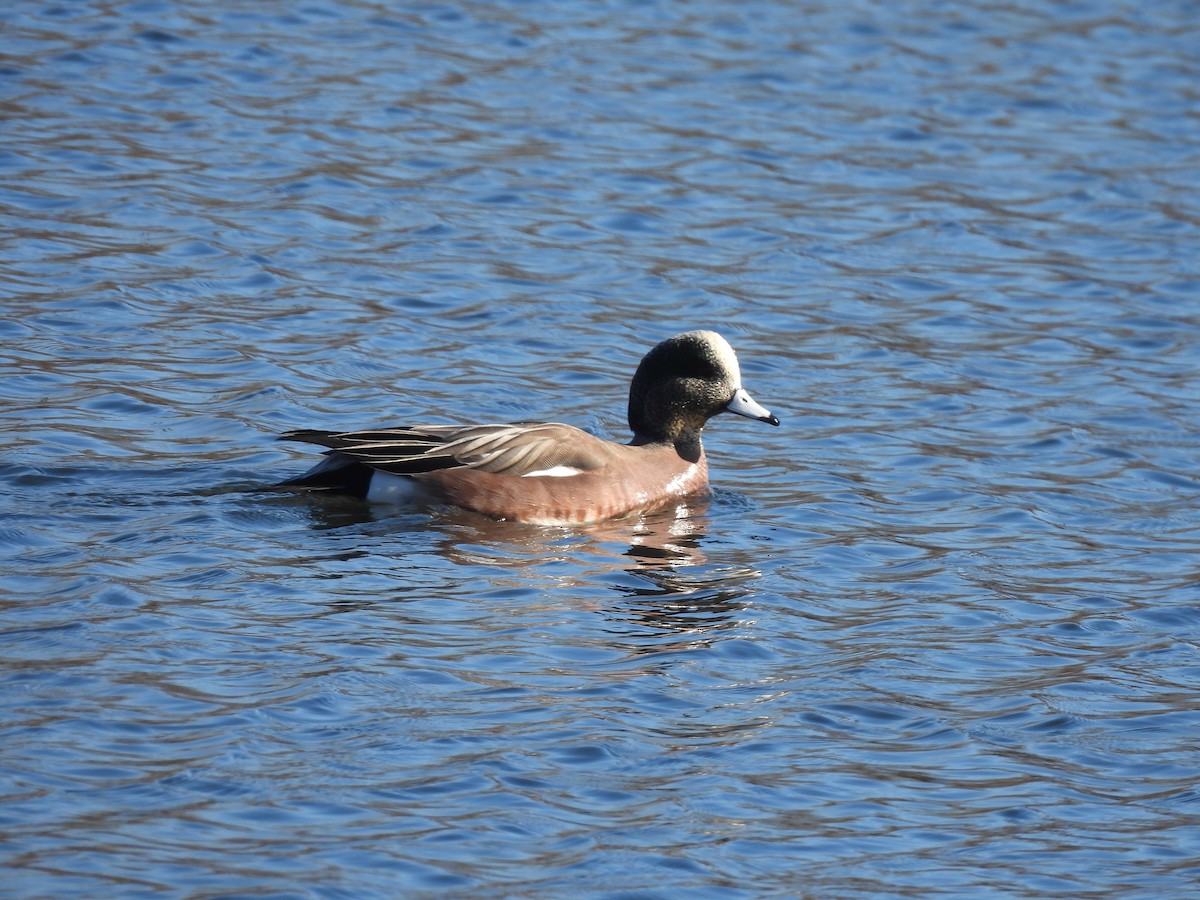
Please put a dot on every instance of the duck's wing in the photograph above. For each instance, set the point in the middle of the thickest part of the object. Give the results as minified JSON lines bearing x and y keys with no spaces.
{"x":519,"y":450}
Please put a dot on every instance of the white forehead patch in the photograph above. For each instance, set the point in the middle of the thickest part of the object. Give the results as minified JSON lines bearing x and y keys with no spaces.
{"x":725,"y":356}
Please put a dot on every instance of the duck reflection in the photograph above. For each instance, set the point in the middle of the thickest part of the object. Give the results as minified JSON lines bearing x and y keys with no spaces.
{"x":654,"y":563}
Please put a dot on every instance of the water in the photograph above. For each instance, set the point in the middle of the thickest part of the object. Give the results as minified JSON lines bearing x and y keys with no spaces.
{"x":936,"y":635}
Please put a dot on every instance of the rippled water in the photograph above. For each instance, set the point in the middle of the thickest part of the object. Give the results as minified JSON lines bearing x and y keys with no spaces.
{"x":936,"y":635}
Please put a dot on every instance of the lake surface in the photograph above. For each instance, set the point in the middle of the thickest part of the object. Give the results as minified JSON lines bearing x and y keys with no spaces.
{"x":937,"y":635}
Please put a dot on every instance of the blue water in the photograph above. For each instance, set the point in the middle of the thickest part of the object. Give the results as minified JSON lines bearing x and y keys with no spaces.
{"x":935,"y":636}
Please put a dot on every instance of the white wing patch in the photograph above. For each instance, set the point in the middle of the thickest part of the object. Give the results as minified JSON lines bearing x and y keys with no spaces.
{"x":554,"y":472}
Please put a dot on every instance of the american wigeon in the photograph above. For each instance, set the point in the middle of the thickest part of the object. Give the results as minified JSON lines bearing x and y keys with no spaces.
{"x":553,"y":474}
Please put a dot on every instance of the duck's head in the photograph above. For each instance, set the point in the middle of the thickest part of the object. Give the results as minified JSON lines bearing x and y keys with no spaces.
{"x":682,"y":383}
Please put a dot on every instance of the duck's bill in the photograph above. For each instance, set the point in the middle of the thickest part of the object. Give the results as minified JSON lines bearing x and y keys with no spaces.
{"x":743,"y":404}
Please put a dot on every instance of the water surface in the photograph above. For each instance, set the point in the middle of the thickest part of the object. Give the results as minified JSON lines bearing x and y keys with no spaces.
{"x":936,"y":635}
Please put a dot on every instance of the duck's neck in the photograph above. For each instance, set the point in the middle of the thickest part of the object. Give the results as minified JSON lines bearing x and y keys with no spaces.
{"x":687,"y":445}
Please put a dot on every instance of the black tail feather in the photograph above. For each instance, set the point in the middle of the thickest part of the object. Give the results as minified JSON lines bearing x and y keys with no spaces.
{"x":353,"y":479}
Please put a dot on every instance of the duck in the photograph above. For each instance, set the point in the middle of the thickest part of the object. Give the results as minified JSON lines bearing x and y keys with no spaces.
{"x":552,"y":473}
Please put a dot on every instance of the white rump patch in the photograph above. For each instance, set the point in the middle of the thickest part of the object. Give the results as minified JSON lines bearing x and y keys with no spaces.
{"x":388,"y":488}
{"x":554,"y":472}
